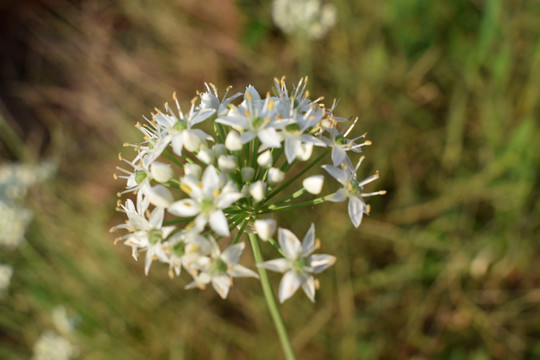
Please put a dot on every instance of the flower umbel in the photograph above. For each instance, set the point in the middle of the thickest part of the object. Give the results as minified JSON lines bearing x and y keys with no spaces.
{"x":194,"y":192}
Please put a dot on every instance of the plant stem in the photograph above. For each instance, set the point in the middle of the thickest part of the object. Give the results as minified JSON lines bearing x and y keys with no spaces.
{"x":271,"y":300}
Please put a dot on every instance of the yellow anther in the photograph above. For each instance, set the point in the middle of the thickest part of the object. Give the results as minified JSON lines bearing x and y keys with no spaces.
{"x":248,"y":96}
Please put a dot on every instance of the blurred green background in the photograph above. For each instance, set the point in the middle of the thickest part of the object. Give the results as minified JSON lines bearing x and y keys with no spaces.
{"x":446,"y":266}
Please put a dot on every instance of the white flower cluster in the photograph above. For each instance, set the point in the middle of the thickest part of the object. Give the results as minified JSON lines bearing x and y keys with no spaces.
{"x":52,"y":346}
{"x":308,"y":18}
{"x":193,"y":188}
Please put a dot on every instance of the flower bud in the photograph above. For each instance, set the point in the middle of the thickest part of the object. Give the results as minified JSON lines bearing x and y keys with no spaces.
{"x":265,"y":159}
{"x":247,"y":173}
{"x":265,"y":228}
{"x":193,"y":169}
{"x":207,"y":156}
{"x":258,"y":190}
{"x":161,"y":172}
{"x":275,"y":176}
{"x":219,"y":149}
{"x":192,"y":142}
{"x":313,"y":184}
{"x":227,"y":163}
{"x":233,"y":141}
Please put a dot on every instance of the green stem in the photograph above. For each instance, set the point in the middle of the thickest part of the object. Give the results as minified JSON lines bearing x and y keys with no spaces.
{"x":271,"y":300}
{"x":273,"y":208}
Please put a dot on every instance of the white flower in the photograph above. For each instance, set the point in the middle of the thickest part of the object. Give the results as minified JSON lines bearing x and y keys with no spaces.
{"x":6,"y":271}
{"x":179,"y":129}
{"x":339,"y":143}
{"x":207,"y":156}
{"x":309,"y":18}
{"x":146,"y":234}
{"x":220,"y":268}
{"x":298,"y":263}
{"x":207,"y":200}
{"x":210,"y":99}
{"x":352,"y":189}
{"x":50,"y":346}
{"x":254,"y":118}
{"x":13,"y":223}
{"x":313,"y":184}
{"x":185,"y":250}
{"x":265,"y":228}
{"x":193,"y":170}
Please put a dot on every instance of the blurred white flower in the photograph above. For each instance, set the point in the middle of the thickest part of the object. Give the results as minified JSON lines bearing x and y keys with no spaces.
{"x":265,"y":228}
{"x":220,"y":268}
{"x":13,"y":223}
{"x":308,"y":18}
{"x":51,"y":346}
{"x":6,"y":271}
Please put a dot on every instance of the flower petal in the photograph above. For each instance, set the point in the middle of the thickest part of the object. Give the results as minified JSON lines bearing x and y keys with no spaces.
{"x":184,"y":208}
{"x":289,"y":243}
{"x":320,"y":262}
{"x":308,"y":243}
{"x":356,"y":210}
{"x":278,"y":265}
{"x":221,"y":284}
{"x":290,"y":282}
{"x":309,"y":288}
{"x":233,"y":253}
{"x":218,"y":223}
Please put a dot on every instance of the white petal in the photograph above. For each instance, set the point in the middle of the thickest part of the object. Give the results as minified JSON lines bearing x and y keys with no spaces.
{"x":338,"y":155}
{"x":338,"y":174}
{"x":221,"y":284}
{"x":227,"y":163}
{"x":177,"y":144}
{"x":308,"y":243}
{"x":320,"y":262}
{"x":309,"y":288}
{"x":242,"y":271}
{"x":313,"y":184}
{"x":251,"y":94}
{"x":160,"y":196}
{"x":247,"y":136}
{"x":218,"y":223}
{"x":338,"y":196}
{"x":291,"y":144}
{"x":265,"y":228}
{"x":270,"y":137}
{"x":192,"y":140}
{"x":210,"y":179}
{"x":289,"y":243}
{"x":290,"y":282}
{"x":233,"y":253}
{"x":156,"y":217}
{"x":356,"y":210}
{"x":228,"y":198}
{"x":275,"y":176}
{"x":278,"y":265}
{"x":184,"y":208}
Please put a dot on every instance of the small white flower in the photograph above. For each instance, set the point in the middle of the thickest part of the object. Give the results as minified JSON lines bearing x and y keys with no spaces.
{"x":6,"y":271}
{"x":313,"y":184}
{"x":207,"y":200}
{"x":298,"y":263}
{"x":207,"y":156}
{"x":193,"y":170}
{"x":352,"y":189}
{"x":220,"y":268}
{"x":50,"y":345}
{"x":265,"y":228}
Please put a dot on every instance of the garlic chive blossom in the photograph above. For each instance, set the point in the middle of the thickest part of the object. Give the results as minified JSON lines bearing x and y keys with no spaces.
{"x":192,"y":193}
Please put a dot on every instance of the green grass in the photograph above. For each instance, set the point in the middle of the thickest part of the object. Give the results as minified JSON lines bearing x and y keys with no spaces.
{"x":444,"y":268}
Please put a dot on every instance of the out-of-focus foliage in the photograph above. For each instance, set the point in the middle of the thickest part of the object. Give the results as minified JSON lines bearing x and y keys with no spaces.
{"x":445,"y":267}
